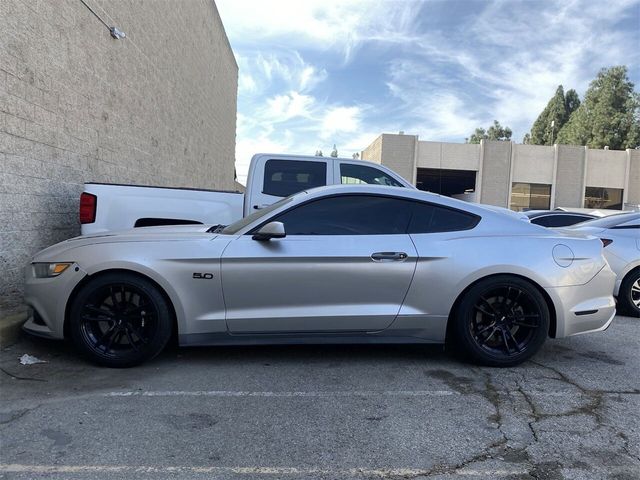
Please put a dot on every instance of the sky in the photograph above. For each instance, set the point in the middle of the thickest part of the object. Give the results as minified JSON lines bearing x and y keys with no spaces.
{"x":314,"y":73}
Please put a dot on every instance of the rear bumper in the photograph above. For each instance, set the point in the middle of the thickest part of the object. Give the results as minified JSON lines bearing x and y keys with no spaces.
{"x":585,"y":308}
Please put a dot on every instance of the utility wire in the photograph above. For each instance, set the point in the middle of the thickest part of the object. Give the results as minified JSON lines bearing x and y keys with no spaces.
{"x":115,"y":33}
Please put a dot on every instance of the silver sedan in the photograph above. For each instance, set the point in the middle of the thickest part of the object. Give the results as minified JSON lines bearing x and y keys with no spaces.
{"x":339,"y":264}
{"x":621,"y":235}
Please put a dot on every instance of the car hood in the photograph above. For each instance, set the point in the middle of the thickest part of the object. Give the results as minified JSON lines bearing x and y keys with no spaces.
{"x":170,"y":233}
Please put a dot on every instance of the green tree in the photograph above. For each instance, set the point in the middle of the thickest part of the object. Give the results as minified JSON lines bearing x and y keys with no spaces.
{"x":546,"y":127}
{"x":494,"y":132}
{"x":571,"y":102}
{"x":608,"y":116}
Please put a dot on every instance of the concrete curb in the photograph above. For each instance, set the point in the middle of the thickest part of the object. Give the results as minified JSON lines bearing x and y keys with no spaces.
{"x":10,"y":328}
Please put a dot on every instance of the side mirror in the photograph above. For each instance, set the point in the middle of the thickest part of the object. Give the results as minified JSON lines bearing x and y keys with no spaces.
{"x":269,"y":231}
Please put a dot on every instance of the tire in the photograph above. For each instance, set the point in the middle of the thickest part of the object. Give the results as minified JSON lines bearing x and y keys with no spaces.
{"x":629,"y":294}
{"x":120,"y":320}
{"x":501,"y":322}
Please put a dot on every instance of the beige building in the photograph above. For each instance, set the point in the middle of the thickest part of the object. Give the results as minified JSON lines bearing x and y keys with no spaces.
{"x":76,"y":104}
{"x":511,"y":175}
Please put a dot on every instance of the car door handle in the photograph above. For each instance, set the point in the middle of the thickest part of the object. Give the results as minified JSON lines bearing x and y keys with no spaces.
{"x":260,"y":207}
{"x":388,"y":256}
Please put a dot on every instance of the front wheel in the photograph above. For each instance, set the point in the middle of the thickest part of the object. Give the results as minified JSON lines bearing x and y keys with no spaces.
{"x":501,"y":321}
{"x":120,"y":320}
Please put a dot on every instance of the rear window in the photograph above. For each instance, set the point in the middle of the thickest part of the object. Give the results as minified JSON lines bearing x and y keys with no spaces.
{"x":286,"y":177}
{"x":428,"y":218}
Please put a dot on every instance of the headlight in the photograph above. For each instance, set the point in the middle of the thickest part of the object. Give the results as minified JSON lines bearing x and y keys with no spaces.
{"x":47,"y":270}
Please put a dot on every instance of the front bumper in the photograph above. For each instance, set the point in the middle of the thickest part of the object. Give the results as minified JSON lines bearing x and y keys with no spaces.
{"x":47,"y":297}
{"x":585,"y":308}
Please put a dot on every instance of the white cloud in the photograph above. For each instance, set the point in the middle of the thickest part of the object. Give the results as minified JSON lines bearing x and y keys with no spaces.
{"x":340,"y":120}
{"x":317,"y":24}
{"x":290,"y":105}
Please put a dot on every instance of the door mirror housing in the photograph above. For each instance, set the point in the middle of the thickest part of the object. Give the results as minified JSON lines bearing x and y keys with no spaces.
{"x":269,"y":231}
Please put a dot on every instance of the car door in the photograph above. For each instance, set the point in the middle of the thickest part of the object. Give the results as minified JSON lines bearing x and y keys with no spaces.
{"x":345,"y":265}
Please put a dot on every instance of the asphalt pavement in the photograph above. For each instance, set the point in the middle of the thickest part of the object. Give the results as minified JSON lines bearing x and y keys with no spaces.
{"x":379,"y":412}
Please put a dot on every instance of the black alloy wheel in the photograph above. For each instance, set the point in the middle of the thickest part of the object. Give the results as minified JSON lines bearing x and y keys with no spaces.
{"x":502,"y":321}
{"x":120,"y":320}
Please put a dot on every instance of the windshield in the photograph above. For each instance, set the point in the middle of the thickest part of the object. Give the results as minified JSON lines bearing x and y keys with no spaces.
{"x":240,"y":224}
{"x":609,"y":221}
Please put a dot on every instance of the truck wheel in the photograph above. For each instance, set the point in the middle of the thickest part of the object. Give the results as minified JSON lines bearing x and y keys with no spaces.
{"x":120,"y":320}
{"x":501,"y":321}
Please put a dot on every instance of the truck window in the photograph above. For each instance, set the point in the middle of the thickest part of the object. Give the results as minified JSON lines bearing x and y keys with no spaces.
{"x":360,"y":174}
{"x":286,"y":177}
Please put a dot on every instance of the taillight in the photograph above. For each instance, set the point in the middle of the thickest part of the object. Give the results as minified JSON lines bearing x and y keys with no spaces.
{"x":88,"y":204}
{"x":606,"y":241}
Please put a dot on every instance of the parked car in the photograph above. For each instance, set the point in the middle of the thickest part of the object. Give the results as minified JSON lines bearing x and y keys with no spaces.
{"x":338,"y":264}
{"x":621,"y":235}
{"x":557,"y":218}
{"x":109,"y":207}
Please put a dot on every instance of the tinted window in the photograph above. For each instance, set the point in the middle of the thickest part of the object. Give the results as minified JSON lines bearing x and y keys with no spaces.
{"x":360,"y":174}
{"x":286,"y":177}
{"x":559,"y":220}
{"x":348,"y":215}
{"x":429,"y":218}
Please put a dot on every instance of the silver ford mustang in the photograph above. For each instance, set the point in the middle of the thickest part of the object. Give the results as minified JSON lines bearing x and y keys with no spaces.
{"x":339,"y":264}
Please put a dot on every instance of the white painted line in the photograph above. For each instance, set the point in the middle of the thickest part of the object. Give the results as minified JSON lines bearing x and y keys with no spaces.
{"x":350,"y":472}
{"x":230,"y":393}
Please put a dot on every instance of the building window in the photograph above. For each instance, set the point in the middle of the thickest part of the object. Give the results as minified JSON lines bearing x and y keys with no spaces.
{"x":530,"y":196}
{"x":602,"y":197}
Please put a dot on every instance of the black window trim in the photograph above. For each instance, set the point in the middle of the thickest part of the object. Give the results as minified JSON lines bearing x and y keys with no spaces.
{"x":477,"y":217}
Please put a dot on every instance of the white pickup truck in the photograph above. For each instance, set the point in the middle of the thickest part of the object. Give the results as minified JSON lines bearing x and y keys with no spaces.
{"x":106,"y":207}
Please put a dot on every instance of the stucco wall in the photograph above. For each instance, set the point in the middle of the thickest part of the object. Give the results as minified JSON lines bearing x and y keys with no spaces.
{"x":373,"y":152}
{"x":496,"y":169}
{"x":398,"y":153}
{"x":570,"y":176}
{"x":158,"y":107}
{"x":454,"y":156}
{"x":633,"y":195}
{"x":533,"y":164}
{"x":606,"y":168}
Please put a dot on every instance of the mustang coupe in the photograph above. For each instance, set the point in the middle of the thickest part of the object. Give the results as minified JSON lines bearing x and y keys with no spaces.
{"x":338,"y":264}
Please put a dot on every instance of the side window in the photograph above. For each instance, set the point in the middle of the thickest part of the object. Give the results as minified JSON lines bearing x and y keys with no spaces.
{"x":348,"y":215}
{"x":360,"y":174}
{"x":286,"y":177}
{"x":428,"y":218}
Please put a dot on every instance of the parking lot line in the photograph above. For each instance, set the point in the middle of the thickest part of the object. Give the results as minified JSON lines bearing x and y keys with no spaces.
{"x":229,"y":393}
{"x":252,"y":470}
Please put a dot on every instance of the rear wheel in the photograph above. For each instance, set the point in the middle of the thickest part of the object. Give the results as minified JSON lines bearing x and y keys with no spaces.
{"x":629,"y":294}
{"x":120,"y":320}
{"x":501,"y":321}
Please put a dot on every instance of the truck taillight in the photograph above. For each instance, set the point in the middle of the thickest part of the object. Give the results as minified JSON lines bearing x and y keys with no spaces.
{"x":88,"y":204}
